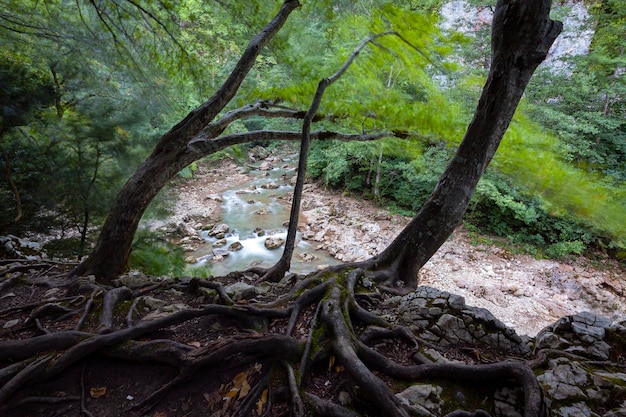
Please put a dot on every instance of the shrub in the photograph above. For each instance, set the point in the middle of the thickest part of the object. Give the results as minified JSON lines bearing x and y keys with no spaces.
{"x":153,"y":255}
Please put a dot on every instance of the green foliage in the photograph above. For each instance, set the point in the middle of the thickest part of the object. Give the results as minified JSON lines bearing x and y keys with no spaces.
{"x":189,"y":171}
{"x":93,"y":85}
{"x":561,"y":250}
{"x":155,"y":256}
{"x":24,"y":90}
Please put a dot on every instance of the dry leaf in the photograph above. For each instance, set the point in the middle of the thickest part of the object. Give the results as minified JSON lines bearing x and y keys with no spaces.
{"x":240,"y":379}
{"x":245,"y":389}
{"x":97,"y":392}
{"x":261,"y":402}
{"x":160,"y":414}
{"x":195,"y":344}
{"x":331,"y":362}
{"x":339,"y":368}
{"x":231,"y":394}
{"x":258,"y":367}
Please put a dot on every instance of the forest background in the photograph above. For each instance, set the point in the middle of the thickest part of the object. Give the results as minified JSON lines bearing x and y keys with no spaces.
{"x":86,"y":90}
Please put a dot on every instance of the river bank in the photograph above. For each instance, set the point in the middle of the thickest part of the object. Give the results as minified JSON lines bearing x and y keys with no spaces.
{"x":523,"y":292}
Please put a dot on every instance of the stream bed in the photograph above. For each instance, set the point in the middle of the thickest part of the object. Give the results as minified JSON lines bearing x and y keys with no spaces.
{"x":254,"y":212}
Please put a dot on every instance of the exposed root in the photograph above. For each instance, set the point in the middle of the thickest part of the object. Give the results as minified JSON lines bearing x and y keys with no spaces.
{"x":111,"y":299}
{"x":338,"y":329}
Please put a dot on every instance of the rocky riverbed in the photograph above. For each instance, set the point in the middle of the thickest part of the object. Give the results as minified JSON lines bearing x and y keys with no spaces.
{"x":525,"y":293}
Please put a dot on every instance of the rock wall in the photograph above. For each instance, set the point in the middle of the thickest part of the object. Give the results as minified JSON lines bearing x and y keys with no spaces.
{"x":578,"y":360}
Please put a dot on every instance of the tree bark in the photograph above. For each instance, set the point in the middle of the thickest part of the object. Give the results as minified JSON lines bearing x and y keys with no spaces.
{"x":171,"y":154}
{"x":522,"y":33}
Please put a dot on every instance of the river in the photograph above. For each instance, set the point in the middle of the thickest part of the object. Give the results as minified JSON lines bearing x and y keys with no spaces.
{"x":253,"y":212}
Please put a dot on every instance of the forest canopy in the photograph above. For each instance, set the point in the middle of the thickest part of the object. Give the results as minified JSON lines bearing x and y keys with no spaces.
{"x":99,"y":82}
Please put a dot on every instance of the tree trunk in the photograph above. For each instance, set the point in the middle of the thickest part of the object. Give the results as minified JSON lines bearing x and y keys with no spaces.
{"x":522,"y":34}
{"x":172,"y":153}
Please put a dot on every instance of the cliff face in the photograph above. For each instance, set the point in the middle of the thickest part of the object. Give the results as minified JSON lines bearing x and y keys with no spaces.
{"x":574,"y":40}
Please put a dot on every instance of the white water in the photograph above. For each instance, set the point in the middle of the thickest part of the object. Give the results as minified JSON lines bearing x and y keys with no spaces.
{"x":247,"y":208}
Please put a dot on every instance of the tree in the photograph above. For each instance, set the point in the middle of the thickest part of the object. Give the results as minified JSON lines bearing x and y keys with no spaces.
{"x":23,"y":92}
{"x":522,"y":33}
{"x":191,"y":139}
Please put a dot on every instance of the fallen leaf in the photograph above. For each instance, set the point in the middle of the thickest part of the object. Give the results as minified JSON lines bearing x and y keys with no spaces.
{"x":97,"y":392}
{"x":231,"y":394}
{"x":258,"y":367}
{"x":339,"y":368}
{"x":261,"y":402}
{"x":160,"y":414}
{"x":331,"y":362}
{"x":240,"y":379}
{"x":195,"y":344}
{"x":245,"y":389}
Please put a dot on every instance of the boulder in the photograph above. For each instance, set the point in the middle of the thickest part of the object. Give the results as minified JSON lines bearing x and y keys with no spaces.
{"x":235,"y":246}
{"x":272,"y":243}
{"x":219,"y":229}
{"x":241,"y":291}
{"x":219,"y":243}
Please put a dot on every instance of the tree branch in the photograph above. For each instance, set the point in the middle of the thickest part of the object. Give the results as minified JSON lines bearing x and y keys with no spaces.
{"x":209,"y":146}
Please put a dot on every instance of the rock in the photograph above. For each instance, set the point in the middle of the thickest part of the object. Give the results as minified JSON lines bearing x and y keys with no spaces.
{"x":258,"y":153}
{"x":219,"y":229}
{"x":270,"y":186}
{"x":259,"y":232}
{"x":235,"y":246}
{"x":241,"y":291}
{"x":153,"y":303}
{"x":272,"y":243}
{"x":266,"y":166}
{"x":423,"y":398}
{"x":166,"y":310}
{"x":219,"y":243}
{"x":14,"y":247}
{"x":583,"y":334}
{"x":191,"y":259}
{"x":262,"y":212}
{"x":132,"y":280}
{"x":307,"y":257}
{"x":10,"y":323}
{"x":220,"y":252}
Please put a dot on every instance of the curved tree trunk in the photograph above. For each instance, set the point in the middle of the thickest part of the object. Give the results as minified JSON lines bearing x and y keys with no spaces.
{"x":172,"y":153}
{"x":522,"y":34}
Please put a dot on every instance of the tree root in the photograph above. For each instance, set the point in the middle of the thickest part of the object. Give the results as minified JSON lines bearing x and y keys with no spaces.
{"x":340,"y":330}
{"x":111,"y":299}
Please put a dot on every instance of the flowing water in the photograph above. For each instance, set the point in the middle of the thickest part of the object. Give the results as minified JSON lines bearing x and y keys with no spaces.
{"x":261,"y":204}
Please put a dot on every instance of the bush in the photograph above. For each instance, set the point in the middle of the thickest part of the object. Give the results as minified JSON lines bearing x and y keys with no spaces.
{"x":498,"y":206}
{"x":153,"y":255}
